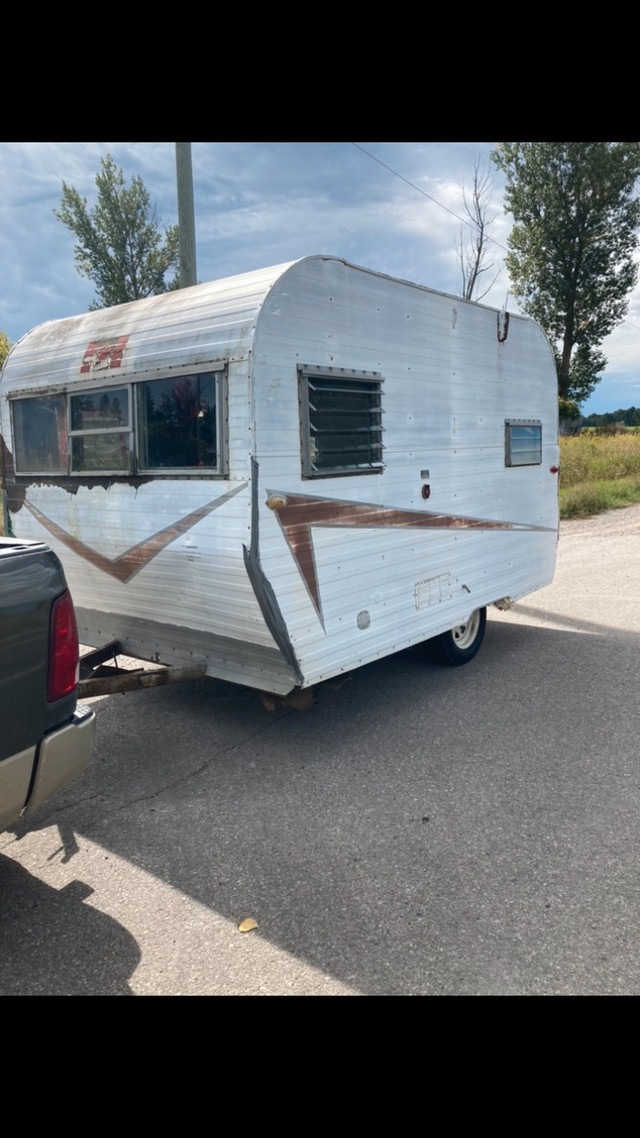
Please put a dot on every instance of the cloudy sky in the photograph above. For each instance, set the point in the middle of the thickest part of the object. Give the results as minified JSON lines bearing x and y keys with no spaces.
{"x":391,"y":206}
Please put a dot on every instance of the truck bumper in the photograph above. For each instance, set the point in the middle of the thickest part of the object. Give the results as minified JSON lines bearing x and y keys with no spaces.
{"x":62,"y":756}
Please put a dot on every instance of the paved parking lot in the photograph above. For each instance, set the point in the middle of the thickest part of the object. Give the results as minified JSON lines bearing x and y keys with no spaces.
{"x":420,"y":830}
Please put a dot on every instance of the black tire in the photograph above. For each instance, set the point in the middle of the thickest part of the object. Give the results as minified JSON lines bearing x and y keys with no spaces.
{"x":461,"y":644}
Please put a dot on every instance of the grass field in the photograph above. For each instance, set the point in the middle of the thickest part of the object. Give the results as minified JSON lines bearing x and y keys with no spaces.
{"x":598,"y":472}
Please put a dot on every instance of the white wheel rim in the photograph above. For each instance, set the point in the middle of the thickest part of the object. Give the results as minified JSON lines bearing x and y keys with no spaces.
{"x":465,"y":634}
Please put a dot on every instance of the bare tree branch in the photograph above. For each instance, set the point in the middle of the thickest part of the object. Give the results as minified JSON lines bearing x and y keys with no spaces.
{"x":473,"y":238}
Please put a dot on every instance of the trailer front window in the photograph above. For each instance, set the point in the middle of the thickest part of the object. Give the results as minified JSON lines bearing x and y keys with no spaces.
{"x":341,"y":418}
{"x":170,"y":426}
{"x":177,"y":423}
{"x":40,"y":433}
{"x":100,"y":431}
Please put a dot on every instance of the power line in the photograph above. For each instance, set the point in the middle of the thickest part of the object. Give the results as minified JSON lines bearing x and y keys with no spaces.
{"x":424,"y":193}
{"x":435,"y":201}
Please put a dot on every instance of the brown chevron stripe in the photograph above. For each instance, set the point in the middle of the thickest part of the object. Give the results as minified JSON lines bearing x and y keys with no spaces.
{"x":299,"y":513}
{"x":126,"y":566}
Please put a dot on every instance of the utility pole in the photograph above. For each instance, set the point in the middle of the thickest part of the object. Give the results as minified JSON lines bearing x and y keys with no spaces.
{"x":186,"y":219}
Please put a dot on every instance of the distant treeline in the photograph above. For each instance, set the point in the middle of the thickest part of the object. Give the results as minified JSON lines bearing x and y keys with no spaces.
{"x":630,"y":418}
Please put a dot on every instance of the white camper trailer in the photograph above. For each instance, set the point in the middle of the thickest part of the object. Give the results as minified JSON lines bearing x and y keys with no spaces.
{"x":287,"y":473}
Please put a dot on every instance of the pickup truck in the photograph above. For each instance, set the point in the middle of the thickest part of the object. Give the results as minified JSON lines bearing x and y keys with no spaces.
{"x":46,"y":737}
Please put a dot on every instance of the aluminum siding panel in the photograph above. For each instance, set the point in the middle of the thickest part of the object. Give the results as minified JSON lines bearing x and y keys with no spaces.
{"x":197,"y":584}
{"x":212,"y":321}
{"x":448,"y":387}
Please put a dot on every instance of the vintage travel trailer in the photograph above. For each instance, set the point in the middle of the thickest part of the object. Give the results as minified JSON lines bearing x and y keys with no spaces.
{"x":287,"y":473}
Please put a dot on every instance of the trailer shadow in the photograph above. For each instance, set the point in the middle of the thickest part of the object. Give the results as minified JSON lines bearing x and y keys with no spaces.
{"x":420,"y":830}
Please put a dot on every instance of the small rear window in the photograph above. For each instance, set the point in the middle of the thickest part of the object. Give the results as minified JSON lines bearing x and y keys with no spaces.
{"x":523,"y":442}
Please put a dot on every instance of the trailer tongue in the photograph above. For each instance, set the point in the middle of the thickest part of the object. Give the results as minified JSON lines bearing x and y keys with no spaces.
{"x":97,"y":677}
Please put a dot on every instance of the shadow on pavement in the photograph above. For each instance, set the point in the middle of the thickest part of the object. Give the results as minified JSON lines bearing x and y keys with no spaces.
{"x":52,"y":944}
{"x":421,"y":830}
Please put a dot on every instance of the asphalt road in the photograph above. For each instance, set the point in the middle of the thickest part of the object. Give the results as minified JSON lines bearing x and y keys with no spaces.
{"x":420,"y":830}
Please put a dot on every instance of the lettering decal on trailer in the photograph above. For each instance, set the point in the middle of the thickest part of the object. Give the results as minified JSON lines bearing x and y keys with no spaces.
{"x":298,"y":513}
{"x":103,"y":355}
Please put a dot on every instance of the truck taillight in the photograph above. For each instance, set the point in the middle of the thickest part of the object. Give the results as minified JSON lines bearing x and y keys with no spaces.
{"x":63,"y":649}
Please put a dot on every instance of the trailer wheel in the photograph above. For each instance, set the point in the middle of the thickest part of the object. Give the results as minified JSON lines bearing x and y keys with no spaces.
{"x":460,"y":644}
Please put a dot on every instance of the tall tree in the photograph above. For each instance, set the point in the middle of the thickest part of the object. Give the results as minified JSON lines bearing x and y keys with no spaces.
{"x":571,"y":258}
{"x":119,"y":244}
{"x":5,"y":347}
{"x":473,"y":239}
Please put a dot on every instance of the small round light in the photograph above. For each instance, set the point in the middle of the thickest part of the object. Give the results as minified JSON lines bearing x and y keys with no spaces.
{"x":276,"y":501}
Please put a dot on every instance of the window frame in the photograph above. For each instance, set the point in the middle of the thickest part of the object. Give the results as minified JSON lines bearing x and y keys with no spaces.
{"x":36,"y":471}
{"x":217,"y":368}
{"x":510,"y":453}
{"x":307,"y":373}
{"x":95,"y":432}
{"x":219,"y":371}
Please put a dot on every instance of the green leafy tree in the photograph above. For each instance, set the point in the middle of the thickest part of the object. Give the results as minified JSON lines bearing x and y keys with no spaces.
{"x":119,"y":244}
{"x":567,"y":409}
{"x":571,"y":249}
{"x":5,"y":347}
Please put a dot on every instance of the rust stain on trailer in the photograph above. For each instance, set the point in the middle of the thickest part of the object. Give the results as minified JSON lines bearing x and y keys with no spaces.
{"x":15,"y":494}
{"x":17,"y":490}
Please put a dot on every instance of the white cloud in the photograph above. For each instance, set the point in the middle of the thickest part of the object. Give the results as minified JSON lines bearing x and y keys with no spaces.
{"x":259,"y":204}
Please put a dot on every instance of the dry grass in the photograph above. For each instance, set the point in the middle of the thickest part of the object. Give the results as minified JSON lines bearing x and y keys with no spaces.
{"x":598,"y":473}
